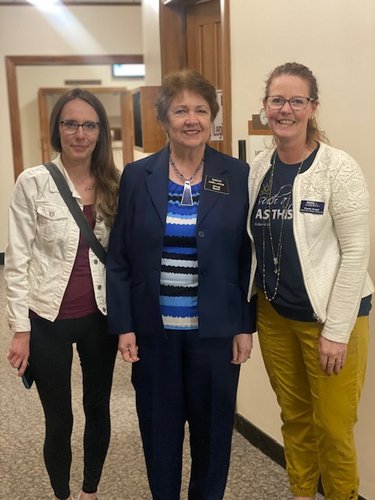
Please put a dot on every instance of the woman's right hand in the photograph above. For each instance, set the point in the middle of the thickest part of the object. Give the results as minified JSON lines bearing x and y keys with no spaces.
{"x":332,"y":355}
{"x":19,"y":351}
{"x":127,"y":345}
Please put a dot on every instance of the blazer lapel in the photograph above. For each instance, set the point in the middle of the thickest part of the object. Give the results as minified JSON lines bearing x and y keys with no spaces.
{"x":157,"y":183}
{"x":213,"y":167}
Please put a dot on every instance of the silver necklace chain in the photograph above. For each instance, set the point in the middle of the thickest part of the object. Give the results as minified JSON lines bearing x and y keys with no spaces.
{"x":178,"y":173}
{"x":187,"y":197}
{"x":276,"y":256}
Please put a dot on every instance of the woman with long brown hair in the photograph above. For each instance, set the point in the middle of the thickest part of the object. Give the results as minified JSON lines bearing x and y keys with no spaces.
{"x":56,"y":285}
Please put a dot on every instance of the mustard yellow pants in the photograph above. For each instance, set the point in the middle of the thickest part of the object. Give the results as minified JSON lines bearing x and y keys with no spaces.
{"x":318,"y":411}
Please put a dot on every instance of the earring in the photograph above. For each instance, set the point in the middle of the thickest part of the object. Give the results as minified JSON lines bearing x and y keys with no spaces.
{"x":263,"y":117}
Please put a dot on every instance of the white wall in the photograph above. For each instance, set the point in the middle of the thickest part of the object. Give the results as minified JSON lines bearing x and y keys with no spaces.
{"x":336,"y":39}
{"x":79,"y":30}
{"x":151,"y":41}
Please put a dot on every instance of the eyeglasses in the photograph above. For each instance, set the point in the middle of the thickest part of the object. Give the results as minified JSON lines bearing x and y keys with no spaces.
{"x":296,"y":103}
{"x":71,"y":126}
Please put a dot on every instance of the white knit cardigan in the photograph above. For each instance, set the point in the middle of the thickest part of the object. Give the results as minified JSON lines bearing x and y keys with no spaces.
{"x":333,"y":247}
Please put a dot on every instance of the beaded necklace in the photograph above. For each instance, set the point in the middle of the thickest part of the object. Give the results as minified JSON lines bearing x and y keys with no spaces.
{"x":276,"y":254}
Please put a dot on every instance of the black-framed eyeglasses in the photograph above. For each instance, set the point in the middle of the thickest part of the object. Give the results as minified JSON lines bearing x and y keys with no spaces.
{"x":297,"y":103}
{"x":71,"y":126}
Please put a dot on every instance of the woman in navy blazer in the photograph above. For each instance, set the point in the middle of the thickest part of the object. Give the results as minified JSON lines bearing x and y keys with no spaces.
{"x":177,"y":279}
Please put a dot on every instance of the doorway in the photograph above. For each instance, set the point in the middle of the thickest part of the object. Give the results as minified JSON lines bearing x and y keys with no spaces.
{"x":13,"y":62}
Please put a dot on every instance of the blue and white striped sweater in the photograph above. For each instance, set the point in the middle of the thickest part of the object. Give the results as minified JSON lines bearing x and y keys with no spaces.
{"x":179,"y":266}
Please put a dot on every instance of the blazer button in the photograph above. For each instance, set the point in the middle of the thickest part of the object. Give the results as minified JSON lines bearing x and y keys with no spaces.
{"x":201,"y":234}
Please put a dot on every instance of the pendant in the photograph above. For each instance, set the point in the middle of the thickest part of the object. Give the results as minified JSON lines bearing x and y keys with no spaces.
{"x":275,"y":261}
{"x":187,"y":198}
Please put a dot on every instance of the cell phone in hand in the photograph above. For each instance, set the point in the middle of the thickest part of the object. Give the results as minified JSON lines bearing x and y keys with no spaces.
{"x":27,"y":378}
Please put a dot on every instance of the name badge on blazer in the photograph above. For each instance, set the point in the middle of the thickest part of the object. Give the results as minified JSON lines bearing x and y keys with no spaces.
{"x":216,"y":185}
{"x":312,"y":207}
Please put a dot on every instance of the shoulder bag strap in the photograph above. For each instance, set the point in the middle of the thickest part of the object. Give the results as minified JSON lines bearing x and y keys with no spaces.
{"x":76,"y":211}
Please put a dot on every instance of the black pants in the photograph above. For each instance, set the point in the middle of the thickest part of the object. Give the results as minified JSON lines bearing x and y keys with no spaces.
{"x":183,"y":378}
{"x":51,"y":355}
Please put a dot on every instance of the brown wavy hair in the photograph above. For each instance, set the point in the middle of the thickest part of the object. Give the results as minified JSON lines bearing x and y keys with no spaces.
{"x":185,"y":79}
{"x":102,"y":163}
{"x":313,"y":133}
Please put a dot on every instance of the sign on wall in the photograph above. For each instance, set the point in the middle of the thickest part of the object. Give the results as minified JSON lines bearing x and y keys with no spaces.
{"x":217,"y":124}
{"x":260,"y":136}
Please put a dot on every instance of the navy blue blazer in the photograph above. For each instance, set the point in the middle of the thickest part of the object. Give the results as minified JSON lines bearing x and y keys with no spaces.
{"x":136,"y":246}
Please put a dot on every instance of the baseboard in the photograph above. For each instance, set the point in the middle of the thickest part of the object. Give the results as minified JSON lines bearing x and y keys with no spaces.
{"x":260,"y":440}
{"x":264,"y":443}
{"x":1,"y":258}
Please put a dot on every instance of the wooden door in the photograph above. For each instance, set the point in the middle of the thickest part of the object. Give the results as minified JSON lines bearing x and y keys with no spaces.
{"x":203,"y":46}
{"x":196,"y":35}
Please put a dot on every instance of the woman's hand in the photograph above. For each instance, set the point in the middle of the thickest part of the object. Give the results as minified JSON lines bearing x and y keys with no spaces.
{"x":332,"y":355}
{"x":19,"y":351}
{"x":241,"y":348}
{"x":128,"y":347}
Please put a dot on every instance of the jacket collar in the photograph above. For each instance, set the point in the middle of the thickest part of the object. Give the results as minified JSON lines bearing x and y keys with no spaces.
{"x":52,"y":186}
{"x":157,"y":181}
{"x":214,"y":166}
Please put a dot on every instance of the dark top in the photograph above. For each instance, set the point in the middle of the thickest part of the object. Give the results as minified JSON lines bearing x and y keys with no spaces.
{"x":79,"y":298}
{"x":223,"y":248}
{"x":272,"y":224}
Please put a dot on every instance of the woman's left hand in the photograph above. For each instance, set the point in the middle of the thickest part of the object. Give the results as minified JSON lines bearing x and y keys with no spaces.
{"x":241,"y":348}
{"x":332,"y":355}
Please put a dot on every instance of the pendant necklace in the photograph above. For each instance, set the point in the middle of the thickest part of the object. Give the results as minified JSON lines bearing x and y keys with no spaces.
{"x":276,"y":250}
{"x":187,"y":197}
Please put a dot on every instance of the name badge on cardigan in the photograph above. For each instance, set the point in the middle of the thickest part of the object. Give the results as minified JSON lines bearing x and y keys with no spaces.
{"x":216,"y":185}
{"x":312,"y":207}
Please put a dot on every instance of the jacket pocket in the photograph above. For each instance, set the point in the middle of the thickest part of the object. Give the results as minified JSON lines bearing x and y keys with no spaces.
{"x":51,"y":222}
